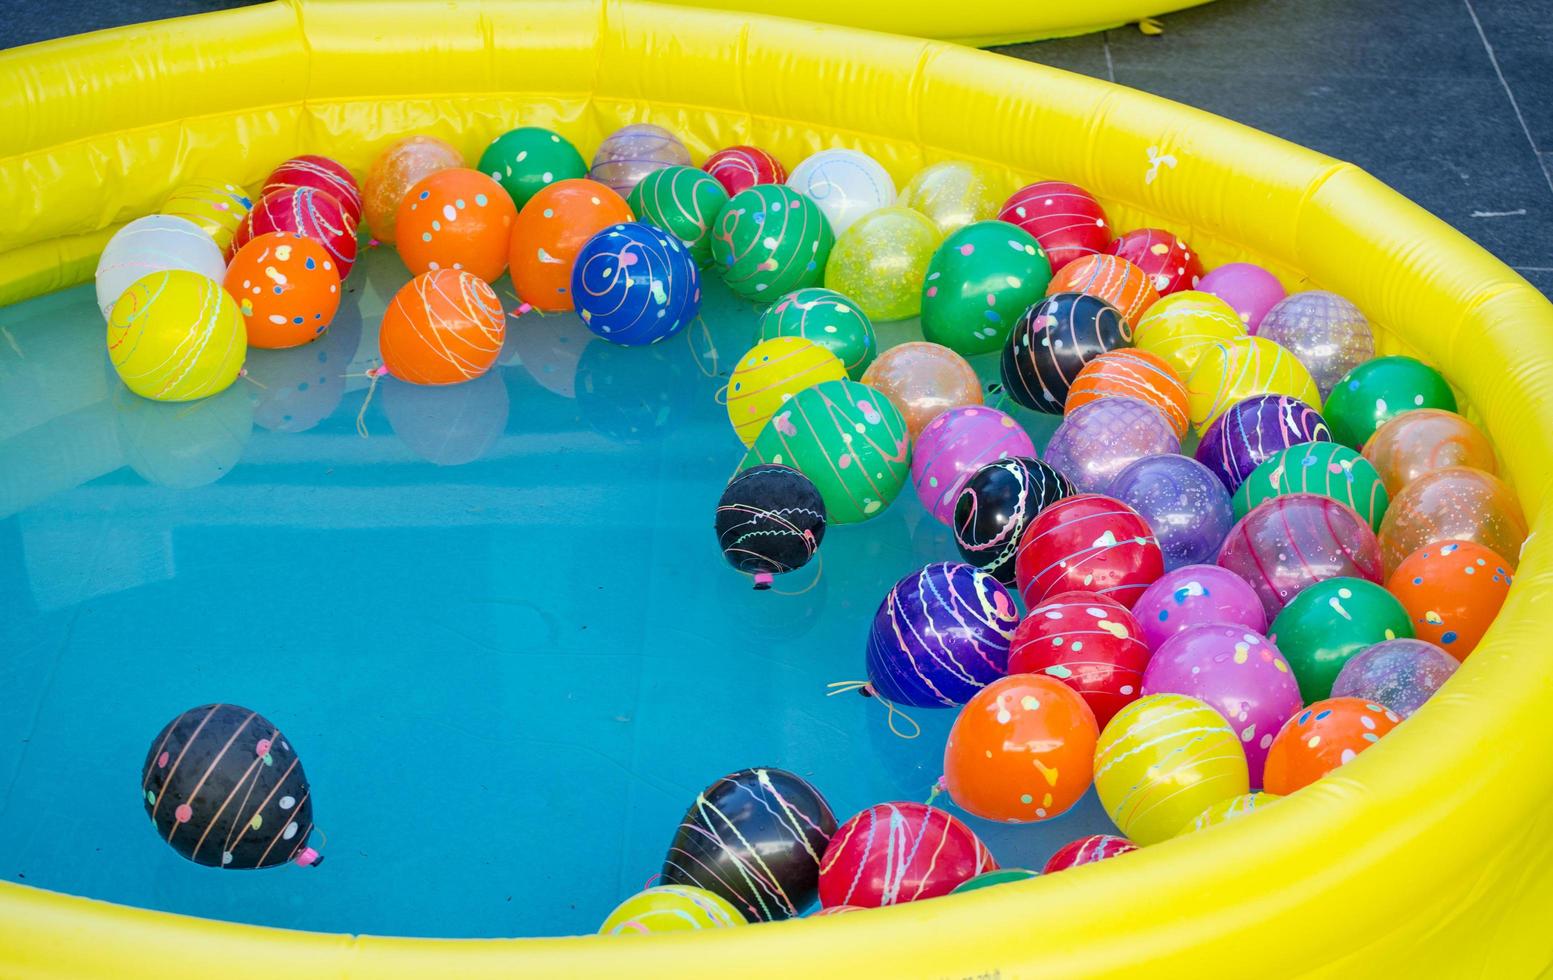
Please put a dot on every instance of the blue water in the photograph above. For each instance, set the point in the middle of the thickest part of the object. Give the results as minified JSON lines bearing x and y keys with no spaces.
{"x":498,"y":630}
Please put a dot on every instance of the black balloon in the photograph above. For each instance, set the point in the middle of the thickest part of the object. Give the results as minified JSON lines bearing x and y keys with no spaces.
{"x":996,"y":504}
{"x":770,"y":520}
{"x":1053,"y":341}
{"x":755,"y":837}
{"x":225,"y":789}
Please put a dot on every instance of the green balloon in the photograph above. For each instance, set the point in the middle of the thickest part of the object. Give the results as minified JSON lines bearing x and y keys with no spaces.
{"x":1379,"y":390}
{"x":1328,"y":469}
{"x":682,"y":201}
{"x":829,"y":319}
{"x":1329,"y":622}
{"x":527,"y":160}
{"x":769,"y":240}
{"x":848,"y":439}
{"x":980,"y":281}
{"x":989,"y":878}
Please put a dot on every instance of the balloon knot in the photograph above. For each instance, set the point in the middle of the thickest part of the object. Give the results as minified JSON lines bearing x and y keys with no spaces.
{"x":309,"y":858}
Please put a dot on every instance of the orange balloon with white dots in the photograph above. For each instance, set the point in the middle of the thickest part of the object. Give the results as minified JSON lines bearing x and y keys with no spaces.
{"x":1452,"y":590}
{"x":456,"y":219}
{"x":443,"y":327}
{"x":287,"y":288}
{"x":1321,"y":737}
{"x":551,"y":229}
{"x":1021,"y":750}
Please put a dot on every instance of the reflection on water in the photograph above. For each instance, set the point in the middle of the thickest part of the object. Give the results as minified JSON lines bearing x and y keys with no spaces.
{"x":301,"y":386}
{"x":447,"y":425}
{"x":548,"y":347}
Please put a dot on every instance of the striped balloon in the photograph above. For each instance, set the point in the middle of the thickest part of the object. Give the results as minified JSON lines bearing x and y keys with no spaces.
{"x":1088,"y":642}
{"x":684,"y":202}
{"x":1087,"y":850}
{"x":1231,"y":809}
{"x":320,"y":173}
{"x":1252,"y":430}
{"x":216,"y":206}
{"x":954,"y":446}
{"x":1167,"y":260}
{"x":741,"y":167}
{"x":635,"y":285}
{"x":176,"y":336}
{"x":771,"y":373}
{"x":770,"y":240}
{"x":1294,"y":540}
{"x":1054,"y":340}
{"x":829,"y":319}
{"x":155,"y":243}
{"x":443,"y":327}
{"x":670,"y":908}
{"x":1181,"y":326}
{"x":899,"y":852}
{"x":1089,"y":543}
{"x":996,"y":504}
{"x":1232,"y":370}
{"x":1066,"y":219}
{"x":1329,"y":469}
{"x":308,"y":212}
{"x":632,"y":152}
{"x":1115,"y":280}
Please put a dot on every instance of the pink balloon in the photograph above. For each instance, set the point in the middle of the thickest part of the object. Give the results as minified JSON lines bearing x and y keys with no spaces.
{"x":1296,"y":540}
{"x":1250,"y":289}
{"x":954,"y":446}
{"x":1197,"y":595}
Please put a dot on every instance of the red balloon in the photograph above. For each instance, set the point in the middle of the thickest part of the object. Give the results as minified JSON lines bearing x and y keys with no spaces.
{"x":1088,"y":543}
{"x":1171,"y":264}
{"x":1090,"y":643}
{"x":1066,"y":219}
{"x":319,"y":173}
{"x":899,"y":852}
{"x":1088,"y":850}
{"x":739,"y":168}
{"x":307,"y":212}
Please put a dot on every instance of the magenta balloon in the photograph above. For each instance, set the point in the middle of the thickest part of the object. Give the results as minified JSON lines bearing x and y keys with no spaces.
{"x":954,"y":446}
{"x":1237,"y":671}
{"x":1249,"y":289}
{"x":1197,"y":595}
{"x":1098,"y":439}
{"x":1289,"y":542}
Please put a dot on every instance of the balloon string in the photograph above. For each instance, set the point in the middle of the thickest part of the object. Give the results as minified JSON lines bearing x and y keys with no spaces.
{"x":361,"y":416}
{"x":711,"y":349}
{"x":819,"y":569}
{"x":720,"y":396}
{"x":245,"y":376}
{"x":894,"y":714}
{"x":939,"y":787}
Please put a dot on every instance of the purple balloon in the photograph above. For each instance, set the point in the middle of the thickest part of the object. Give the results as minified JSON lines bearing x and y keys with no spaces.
{"x":954,"y":446}
{"x":1237,"y":671}
{"x":1197,"y":595}
{"x":632,"y":152}
{"x":1400,"y":674}
{"x":1249,"y":289}
{"x":1324,"y":331}
{"x":1254,"y":430}
{"x":1098,"y":439}
{"x":1183,"y":501}
{"x":1296,"y":540}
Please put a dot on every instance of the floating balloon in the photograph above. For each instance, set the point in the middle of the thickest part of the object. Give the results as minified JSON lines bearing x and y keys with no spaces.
{"x":1020,"y":750}
{"x":1329,"y":622}
{"x":155,"y":243}
{"x":216,"y":207}
{"x":845,"y":184}
{"x":632,"y":152}
{"x":1324,"y":736}
{"x":1400,"y":674}
{"x":755,"y":838}
{"x":176,"y":336}
{"x":940,"y":635}
{"x":1181,"y":327}
{"x":456,"y":219}
{"x":924,"y":381}
{"x":980,"y":280}
{"x":770,"y":520}
{"x":881,"y":260}
{"x":1380,"y":390}
{"x":995,"y":506}
{"x":954,"y":446}
{"x":1327,"y":469}
{"x":1231,"y":809}
{"x":321,"y":174}
{"x":1296,"y":540}
{"x":306,"y":212}
{"x":771,"y":240}
{"x":286,"y":288}
{"x":738,"y":168}
{"x":1167,"y":260}
{"x":1088,"y":642}
{"x":899,"y":852}
{"x":1097,"y":441}
{"x":225,"y":789}
{"x":635,"y":285}
{"x":1129,"y":373}
{"x":1185,"y":505}
{"x":1234,"y":370}
{"x":1087,"y":850}
{"x":1197,"y":595}
{"x":550,"y":231}
{"x":1090,"y":543}
{"x":1454,"y":504}
{"x":1115,"y":280}
{"x":528,"y":159}
{"x":848,"y":439}
{"x":1326,"y":332}
{"x":684,"y":202}
{"x":1164,"y":759}
{"x":670,"y":908}
{"x":1250,"y":289}
{"x":1452,"y":590}
{"x":1066,"y":219}
{"x":827,"y":318}
{"x":772,"y":372}
{"x":1254,"y":429}
{"x":987,"y":879}
{"x":394,"y":172}
{"x":1053,"y":342}
{"x":1424,"y":440}
{"x":954,"y":194}
{"x":443,"y":327}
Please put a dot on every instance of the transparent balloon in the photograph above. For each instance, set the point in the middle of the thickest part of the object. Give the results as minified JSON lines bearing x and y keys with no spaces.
{"x":1184,"y":503}
{"x":1400,"y":674}
{"x":1291,"y":542}
{"x":155,"y":243}
{"x":1326,"y":332}
{"x":924,"y":380}
{"x":1454,"y":504}
{"x":955,"y":193}
{"x":1097,"y":441}
{"x":632,"y":152}
{"x":1425,"y":440}
{"x":881,"y":260}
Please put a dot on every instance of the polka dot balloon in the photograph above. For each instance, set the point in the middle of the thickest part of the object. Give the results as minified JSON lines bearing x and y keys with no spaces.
{"x":1088,"y":642}
{"x":1066,"y":219}
{"x":829,"y":319}
{"x":1090,"y":543}
{"x":456,"y":219}
{"x":979,"y":282}
{"x":286,"y":288}
{"x":551,"y":230}
{"x":1326,"y":735}
{"x":1452,"y":590}
{"x":770,"y":240}
{"x":1196,"y":595}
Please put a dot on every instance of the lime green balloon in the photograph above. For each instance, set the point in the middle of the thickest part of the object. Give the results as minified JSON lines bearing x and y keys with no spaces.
{"x":848,"y":439}
{"x":1327,"y":623}
{"x":769,"y":240}
{"x":1329,"y":469}
{"x":527,"y":160}
{"x":827,"y":318}
{"x":989,"y":878}
{"x":979,"y":283}
{"x":880,"y":262}
{"x":1379,"y":390}
{"x":684,"y":202}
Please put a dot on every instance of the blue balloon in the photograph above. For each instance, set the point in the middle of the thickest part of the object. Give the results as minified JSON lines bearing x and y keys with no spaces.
{"x":635,"y":285}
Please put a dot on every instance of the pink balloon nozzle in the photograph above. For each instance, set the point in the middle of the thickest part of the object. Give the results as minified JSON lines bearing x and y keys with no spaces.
{"x":309,"y":858}
{"x":763,"y":580}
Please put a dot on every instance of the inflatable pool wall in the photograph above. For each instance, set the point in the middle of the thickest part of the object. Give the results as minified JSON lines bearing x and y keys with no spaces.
{"x":1431,"y":855}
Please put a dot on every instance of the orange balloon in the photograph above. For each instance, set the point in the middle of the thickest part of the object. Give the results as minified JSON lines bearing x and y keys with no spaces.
{"x":1022,"y":749}
{"x":924,"y":381}
{"x":287,"y":288}
{"x":443,"y":327}
{"x":551,"y":229}
{"x":1135,"y":374}
{"x":1452,"y":590}
{"x":1113,"y":279}
{"x":456,"y":219}
{"x":394,"y":172}
{"x":1322,"y":737}
{"x":1424,"y":440}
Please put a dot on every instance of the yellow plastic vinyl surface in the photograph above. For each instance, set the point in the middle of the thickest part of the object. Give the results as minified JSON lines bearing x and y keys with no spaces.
{"x":1430,"y":855}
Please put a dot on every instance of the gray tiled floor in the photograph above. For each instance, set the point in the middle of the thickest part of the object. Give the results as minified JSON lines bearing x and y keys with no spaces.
{"x":1449,"y":101}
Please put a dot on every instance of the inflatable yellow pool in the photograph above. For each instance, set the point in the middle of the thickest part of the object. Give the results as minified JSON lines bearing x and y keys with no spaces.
{"x":1431,"y":855}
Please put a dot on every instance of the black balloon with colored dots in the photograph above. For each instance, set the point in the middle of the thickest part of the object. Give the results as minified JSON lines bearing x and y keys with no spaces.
{"x":998,"y":501}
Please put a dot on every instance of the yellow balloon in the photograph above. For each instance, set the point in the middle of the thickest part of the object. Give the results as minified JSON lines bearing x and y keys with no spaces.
{"x":215,"y":205}
{"x":1226,"y":810}
{"x":1179,"y":327}
{"x":772,"y":372}
{"x":1231,"y":370}
{"x":176,"y":336}
{"x":671,"y":908}
{"x":954,"y":194}
{"x":880,"y":261}
{"x":1164,"y":759}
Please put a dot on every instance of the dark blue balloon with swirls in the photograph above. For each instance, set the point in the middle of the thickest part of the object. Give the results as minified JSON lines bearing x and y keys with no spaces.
{"x":635,"y":285}
{"x":1255,"y":430}
{"x":941,"y":635}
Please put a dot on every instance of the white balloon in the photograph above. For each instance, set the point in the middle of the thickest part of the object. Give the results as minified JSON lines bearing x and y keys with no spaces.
{"x":845,"y":184}
{"x":155,"y":243}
